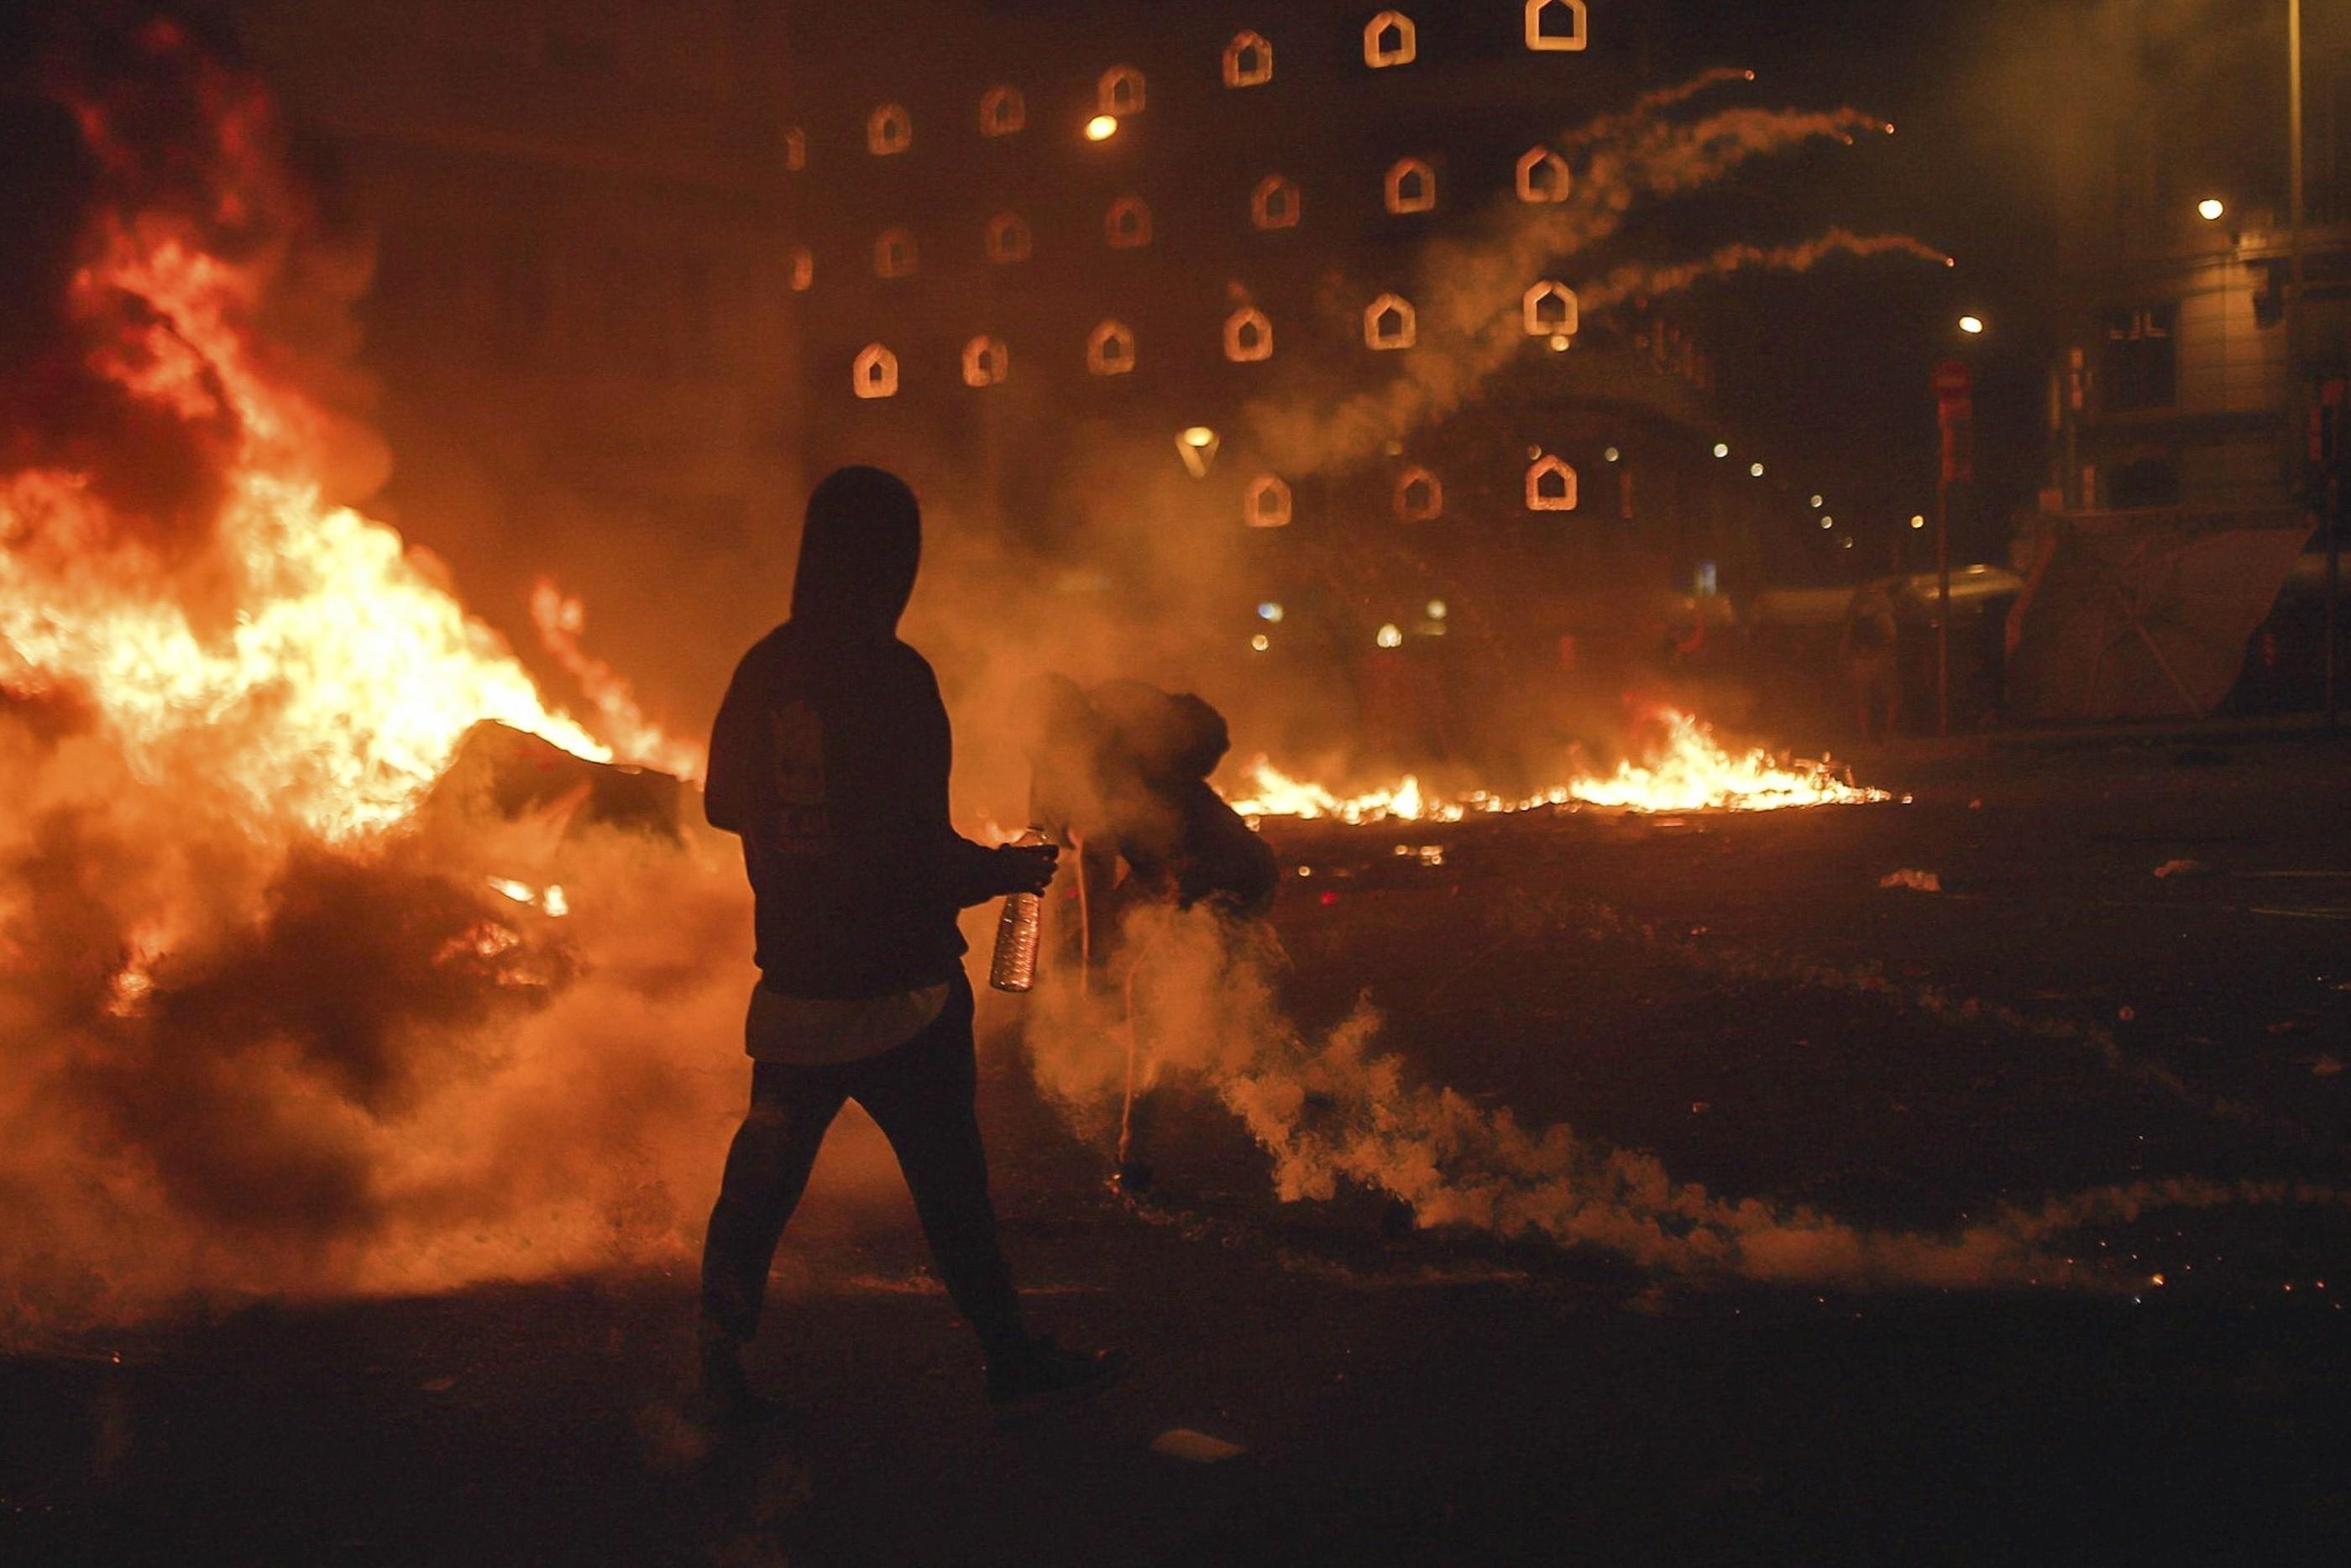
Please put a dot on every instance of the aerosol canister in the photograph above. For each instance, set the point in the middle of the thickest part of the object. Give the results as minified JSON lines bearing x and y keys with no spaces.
{"x":1015,"y":966}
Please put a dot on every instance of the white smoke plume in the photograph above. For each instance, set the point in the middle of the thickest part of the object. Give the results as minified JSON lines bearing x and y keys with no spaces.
{"x":1469,"y":324}
{"x":1337,"y":1110}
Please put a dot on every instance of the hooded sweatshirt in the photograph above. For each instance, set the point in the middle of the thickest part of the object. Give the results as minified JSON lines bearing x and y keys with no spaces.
{"x":830,"y":759}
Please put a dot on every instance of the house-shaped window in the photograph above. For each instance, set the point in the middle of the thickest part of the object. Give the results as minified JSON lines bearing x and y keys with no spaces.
{"x":1389,"y":322}
{"x":1551,"y":485}
{"x":1555,"y":25}
{"x":795,"y":149}
{"x":1249,"y":60}
{"x":1543,"y":176}
{"x":1121,"y":91}
{"x":986,"y":361}
{"x":1002,"y":111}
{"x":1411,"y":186}
{"x":1267,"y":503}
{"x":1274,"y":204}
{"x":803,"y":269}
{"x":1248,"y":336}
{"x":889,"y":129}
{"x":1390,"y":39}
{"x":1419,"y":495}
{"x":893,"y":254}
{"x":1127,"y":226}
{"x":1008,"y":239}
{"x":1111,"y":350}
{"x":1551,"y":310}
{"x":875,"y":374}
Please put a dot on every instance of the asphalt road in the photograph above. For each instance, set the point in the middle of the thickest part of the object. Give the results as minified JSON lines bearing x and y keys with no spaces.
{"x":1738,"y":995}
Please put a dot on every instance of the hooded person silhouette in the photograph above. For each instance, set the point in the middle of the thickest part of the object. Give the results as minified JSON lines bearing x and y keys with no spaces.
{"x":830,"y":760}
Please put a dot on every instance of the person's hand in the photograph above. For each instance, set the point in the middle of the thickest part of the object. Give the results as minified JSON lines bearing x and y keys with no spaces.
{"x":1027,"y":868}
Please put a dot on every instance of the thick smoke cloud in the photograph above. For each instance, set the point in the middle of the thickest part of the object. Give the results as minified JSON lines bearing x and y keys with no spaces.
{"x":245,"y":1053}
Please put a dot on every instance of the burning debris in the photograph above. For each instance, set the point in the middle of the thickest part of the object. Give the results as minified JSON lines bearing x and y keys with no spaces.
{"x":312,"y":906}
{"x":1687,"y":771}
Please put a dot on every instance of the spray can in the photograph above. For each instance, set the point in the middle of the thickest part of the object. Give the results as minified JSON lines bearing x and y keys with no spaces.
{"x":1015,"y":964}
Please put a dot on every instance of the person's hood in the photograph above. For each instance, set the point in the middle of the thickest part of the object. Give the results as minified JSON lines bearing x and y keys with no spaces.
{"x":1173,"y":735}
{"x":860,"y":549}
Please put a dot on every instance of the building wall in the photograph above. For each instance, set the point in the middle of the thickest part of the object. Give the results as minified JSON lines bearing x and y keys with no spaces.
{"x":577,"y":318}
{"x":1026,"y":456}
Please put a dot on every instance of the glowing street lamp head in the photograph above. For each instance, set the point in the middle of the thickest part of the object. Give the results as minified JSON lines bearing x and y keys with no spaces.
{"x":1756,"y":468}
{"x":1390,"y":636}
{"x":2211,"y":209}
{"x":1101,"y":127}
{"x":1972,"y":325}
{"x":1722,"y":449}
{"x":1199,"y":436}
{"x":1819,"y":502}
{"x":1917,"y":520}
{"x":1828,"y":521}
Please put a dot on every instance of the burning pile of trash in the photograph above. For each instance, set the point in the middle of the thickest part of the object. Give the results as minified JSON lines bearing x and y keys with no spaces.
{"x":1685,"y":770}
{"x":326,"y":959}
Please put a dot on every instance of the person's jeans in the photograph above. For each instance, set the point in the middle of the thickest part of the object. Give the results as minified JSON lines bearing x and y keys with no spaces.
{"x":921,"y":1095}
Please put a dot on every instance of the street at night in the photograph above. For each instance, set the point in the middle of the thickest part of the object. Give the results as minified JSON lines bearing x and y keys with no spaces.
{"x":1075,"y":781}
{"x":1735,"y":993}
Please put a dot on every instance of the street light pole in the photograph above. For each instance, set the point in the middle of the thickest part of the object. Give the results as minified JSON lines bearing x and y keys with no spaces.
{"x":2297,"y":371}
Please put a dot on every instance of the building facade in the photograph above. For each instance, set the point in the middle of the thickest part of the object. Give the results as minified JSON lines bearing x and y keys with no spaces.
{"x":1091,"y":272}
{"x":2197,"y":405}
{"x":578,"y":319}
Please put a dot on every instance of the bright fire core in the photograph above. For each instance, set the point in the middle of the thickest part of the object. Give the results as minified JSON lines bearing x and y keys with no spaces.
{"x":1690,"y":771}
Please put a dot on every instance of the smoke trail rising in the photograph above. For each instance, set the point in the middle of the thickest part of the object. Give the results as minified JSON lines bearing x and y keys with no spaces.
{"x":1637,"y":281}
{"x":1337,"y":1110}
{"x":1469,"y":290}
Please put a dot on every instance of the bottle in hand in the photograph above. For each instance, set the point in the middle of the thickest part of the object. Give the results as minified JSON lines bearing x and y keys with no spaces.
{"x":1015,"y":965}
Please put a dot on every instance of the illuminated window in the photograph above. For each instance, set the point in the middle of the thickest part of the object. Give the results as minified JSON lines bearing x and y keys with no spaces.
{"x":893,"y":254}
{"x":1390,"y":39}
{"x":1121,"y":91}
{"x":889,"y":129}
{"x":1412,"y":186}
{"x":1002,"y":111}
{"x":1248,"y":336}
{"x":1267,"y":506}
{"x":795,"y":148}
{"x":876,"y":372}
{"x":1008,"y":239}
{"x":1111,"y":350}
{"x":1274,"y":204}
{"x":1551,"y":310}
{"x":1249,"y":60}
{"x":1419,"y":495}
{"x":803,"y":269}
{"x":1555,"y":24}
{"x":1542,"y":176}
{"x":986,"y":361}
{"x":1128,"y":224}
{"x":1551,"y":485}
{"x":1389,"y":323}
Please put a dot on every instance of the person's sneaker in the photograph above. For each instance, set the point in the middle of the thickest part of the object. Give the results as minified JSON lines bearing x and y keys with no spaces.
{"x":1043,"y":1377}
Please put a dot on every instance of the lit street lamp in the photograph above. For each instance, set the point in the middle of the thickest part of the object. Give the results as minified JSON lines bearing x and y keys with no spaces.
{"x":1972,"y":325}
{"x":2211,"y":209}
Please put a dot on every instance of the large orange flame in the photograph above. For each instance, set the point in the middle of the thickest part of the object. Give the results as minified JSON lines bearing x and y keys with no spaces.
{"x":1690,"y":770}
{"x":336,"y":683}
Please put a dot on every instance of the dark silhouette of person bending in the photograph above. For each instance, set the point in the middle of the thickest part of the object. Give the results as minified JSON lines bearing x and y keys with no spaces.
{"x":830,"y":759}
